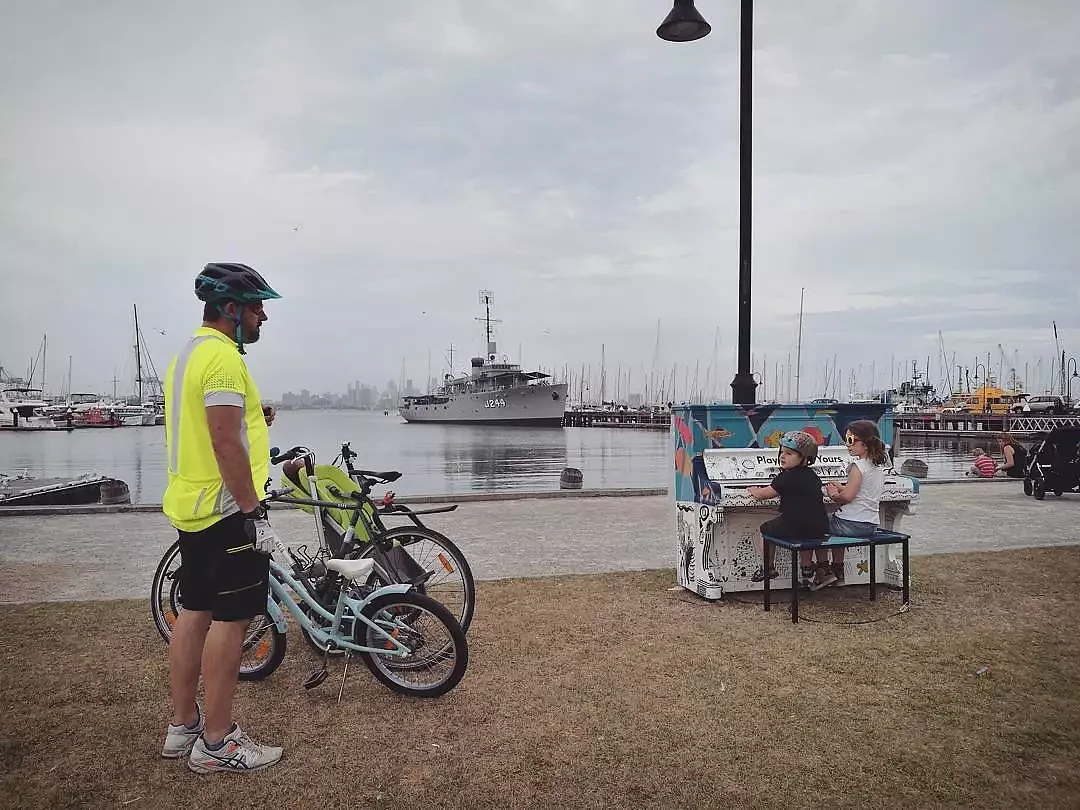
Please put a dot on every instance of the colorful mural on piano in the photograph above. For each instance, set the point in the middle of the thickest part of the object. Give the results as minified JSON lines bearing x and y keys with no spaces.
{"x":697,"y":428}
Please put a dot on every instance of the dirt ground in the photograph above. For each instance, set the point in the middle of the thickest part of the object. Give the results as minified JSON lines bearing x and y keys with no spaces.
{"x":600,"y":691}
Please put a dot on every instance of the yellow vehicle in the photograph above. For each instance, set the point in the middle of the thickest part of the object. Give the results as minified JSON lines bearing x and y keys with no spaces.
{"x":987,"y":399}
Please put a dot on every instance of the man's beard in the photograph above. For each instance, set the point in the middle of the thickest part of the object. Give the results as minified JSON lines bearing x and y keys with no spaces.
{"x":251,"y":335}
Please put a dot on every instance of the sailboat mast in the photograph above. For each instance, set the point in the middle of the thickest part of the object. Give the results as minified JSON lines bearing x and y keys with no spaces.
{"x":798,"y":345}
{"x":603,"y":374}
{"x":138,"y":355}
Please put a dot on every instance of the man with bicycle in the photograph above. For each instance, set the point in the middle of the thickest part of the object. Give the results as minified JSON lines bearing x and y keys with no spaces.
{"x":219,"y":450}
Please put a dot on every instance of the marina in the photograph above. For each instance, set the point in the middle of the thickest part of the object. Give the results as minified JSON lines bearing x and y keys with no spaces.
{"x":435,"y":458}
{"x":24,"y":407}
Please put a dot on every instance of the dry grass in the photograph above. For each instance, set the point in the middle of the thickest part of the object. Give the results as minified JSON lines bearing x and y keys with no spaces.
{"x":600,"y":691}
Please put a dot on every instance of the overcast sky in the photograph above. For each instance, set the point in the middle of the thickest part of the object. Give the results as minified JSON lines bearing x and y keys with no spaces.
{"x":915,"y":168}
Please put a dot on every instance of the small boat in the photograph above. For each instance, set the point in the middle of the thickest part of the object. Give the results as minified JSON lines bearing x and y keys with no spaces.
{"x":86,"y":489}
{"x":20,"y":408}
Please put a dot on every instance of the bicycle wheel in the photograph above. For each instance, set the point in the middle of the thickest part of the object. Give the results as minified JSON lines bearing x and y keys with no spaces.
{"x":165,"y":592}
{"x":264,"y":644}
{"x":440,"y":652}
{"x":264,"y":649}
{"x":450,"y":580}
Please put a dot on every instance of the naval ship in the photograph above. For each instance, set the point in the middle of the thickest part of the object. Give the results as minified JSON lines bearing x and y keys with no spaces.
{"x":495,"y":392}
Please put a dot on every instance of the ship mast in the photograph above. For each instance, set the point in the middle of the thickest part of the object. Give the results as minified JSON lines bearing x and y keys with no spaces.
{"x":138,"y":355}
{"x":487,"y":298}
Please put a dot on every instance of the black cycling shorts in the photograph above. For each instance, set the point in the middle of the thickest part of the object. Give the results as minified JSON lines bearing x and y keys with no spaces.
{"x":222,"y":573}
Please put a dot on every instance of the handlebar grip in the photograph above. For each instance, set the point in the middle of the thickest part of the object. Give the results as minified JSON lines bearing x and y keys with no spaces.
{"x":288,"y":455}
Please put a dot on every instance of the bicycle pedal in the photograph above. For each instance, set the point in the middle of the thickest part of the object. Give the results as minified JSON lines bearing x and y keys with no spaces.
{"x":316,"y":678}
{"x":421,"y":579}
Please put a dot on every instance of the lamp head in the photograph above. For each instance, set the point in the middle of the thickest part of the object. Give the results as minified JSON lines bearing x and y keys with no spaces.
{"x":683,"y":24}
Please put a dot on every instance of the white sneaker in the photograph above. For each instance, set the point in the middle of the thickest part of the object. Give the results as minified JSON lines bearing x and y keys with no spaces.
{"x":179,"y":740}
{"x":238,"y":754}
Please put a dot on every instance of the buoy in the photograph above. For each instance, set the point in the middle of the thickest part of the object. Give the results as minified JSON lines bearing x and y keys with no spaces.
{"x":570,"y":478}
{"x":115,"y":491}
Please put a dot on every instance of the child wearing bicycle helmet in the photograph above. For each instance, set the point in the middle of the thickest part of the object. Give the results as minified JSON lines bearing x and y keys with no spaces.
{"x":802,"y":508}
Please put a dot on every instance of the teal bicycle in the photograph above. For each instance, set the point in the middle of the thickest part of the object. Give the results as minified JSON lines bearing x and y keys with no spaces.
{"x":411,"y":643}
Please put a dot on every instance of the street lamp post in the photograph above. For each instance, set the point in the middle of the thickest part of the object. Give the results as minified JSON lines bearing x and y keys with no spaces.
{"x":983,"y":377}
{"x":685,"y":24}
{"x":985,"y":383}
{"x":1070,"y":377}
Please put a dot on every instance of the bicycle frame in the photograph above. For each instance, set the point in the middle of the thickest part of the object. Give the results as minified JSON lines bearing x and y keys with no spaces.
{"x":279,"y":578}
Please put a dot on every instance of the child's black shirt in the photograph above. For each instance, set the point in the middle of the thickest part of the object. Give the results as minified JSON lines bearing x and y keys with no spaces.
{"x":801,"y":502}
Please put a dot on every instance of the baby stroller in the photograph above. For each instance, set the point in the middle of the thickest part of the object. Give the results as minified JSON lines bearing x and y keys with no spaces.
{"x":1054,"y":465}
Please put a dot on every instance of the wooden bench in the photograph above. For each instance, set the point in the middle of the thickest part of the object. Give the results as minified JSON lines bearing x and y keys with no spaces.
{"x":879,"y":538}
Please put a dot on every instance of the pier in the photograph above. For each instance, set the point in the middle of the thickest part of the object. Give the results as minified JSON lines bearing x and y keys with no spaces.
{"x":629,"y":418}
{"x":928,"y":424}
{"x":978,"y":425}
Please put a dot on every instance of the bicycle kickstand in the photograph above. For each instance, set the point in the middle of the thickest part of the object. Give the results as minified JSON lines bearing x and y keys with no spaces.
{"x":344,"y":675}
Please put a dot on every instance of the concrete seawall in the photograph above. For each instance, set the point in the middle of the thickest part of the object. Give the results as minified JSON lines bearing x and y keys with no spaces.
{"x":113,"y":555}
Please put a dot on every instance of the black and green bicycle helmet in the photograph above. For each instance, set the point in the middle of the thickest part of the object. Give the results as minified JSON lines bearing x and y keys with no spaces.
{"x":220,"y":282}
{"x":226,"y":281}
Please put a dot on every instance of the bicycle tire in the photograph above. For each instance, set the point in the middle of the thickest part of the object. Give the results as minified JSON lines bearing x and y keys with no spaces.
{"x":455,"y":559}
{"x":164,"y":618}
{"x":383,"y":666}
{"x":265,"y":666}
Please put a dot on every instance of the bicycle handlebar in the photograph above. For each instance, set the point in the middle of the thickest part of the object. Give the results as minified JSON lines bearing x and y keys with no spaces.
{"x":277,"y":457}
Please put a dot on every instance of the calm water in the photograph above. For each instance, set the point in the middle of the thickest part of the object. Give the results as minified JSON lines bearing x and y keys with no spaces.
{"x":434,"y":458}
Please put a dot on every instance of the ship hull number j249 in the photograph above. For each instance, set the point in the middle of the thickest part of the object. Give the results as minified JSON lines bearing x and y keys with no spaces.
{"x":495,"y":403}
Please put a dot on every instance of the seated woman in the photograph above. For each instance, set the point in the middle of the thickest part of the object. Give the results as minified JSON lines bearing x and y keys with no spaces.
{"x":860,"y":497}
{"x":1015,"y":456}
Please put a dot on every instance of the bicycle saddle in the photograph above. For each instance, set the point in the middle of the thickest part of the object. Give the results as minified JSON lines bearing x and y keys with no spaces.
{"x":351,"y":569}
{"x":388,"y":477}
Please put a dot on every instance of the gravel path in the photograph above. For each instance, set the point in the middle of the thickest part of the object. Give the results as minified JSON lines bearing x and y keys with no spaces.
{"x":113,"y":556}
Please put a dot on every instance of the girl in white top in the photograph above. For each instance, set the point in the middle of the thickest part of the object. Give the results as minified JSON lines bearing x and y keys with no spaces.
{"x":860,"y":497}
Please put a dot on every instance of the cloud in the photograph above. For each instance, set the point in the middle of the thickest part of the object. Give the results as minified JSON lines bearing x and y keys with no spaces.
{"x":915,"y":169}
